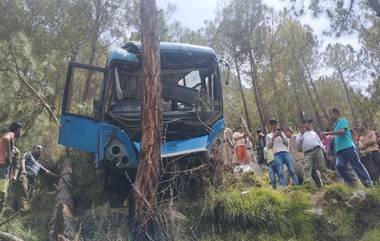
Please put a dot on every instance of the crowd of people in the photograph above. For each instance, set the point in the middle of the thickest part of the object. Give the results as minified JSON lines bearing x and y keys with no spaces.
{"x":17,"y":173}
{"x":308,"y":157}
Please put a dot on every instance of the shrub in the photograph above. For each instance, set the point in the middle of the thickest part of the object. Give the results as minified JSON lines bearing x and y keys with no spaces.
{"x":261,"y":210}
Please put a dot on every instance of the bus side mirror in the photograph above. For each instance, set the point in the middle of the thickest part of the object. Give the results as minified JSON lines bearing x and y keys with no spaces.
{"x":96,"y":105}
{"x":227,"y":66}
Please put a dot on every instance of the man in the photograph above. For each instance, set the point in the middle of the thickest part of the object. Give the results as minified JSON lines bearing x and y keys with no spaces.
{"x":240,"y":142}
{"x":249,"y":148}
{"x":25,"y":171}
{"x":346,"y":151}
{"x":273,"y":167}
{"x":297,"y":155}
{"x":277,"y":140}
{"x":228,"y":147}
{"x":369,"y":151}
{"x":311,"y":145}
{"x":32,"y":164}
{"x":331,"y":153}
{"x":8,"y":154}
{"x":260,"y":147}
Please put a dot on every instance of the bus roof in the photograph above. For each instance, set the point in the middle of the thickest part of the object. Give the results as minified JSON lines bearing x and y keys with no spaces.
{"x":130,"y":51}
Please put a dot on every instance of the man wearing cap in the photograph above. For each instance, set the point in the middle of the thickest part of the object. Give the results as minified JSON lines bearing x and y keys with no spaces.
{"x":277,"y":141}
{"x":25,"y":172}
{"x":311,"y":145}
{"x":8,"y":155}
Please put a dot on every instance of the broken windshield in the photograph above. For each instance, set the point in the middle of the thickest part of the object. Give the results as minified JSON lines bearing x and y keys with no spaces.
{"x":182,"y":90}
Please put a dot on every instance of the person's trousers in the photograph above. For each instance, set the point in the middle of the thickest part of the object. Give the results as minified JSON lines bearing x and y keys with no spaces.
{"x":284,"y":158}
{"x":371,"y":162}
{"x":241,"y":154}
{"x":315,"y":160}
{"x":274,"y":169}
{"x":299,"y":168}
{"x":19,"y":194}
{"x":351,"y":156}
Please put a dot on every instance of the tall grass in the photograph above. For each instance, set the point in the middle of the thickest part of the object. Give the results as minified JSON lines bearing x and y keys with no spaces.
{"x":261,"y":210}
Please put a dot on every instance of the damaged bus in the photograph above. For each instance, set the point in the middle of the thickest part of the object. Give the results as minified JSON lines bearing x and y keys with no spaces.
{"x":101,"y":109}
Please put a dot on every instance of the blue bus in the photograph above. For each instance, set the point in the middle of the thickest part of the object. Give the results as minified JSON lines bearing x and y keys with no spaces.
{"x":101,"y":109}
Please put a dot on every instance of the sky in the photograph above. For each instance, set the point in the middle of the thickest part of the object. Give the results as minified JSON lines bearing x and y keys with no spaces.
{"x":193,"y":13}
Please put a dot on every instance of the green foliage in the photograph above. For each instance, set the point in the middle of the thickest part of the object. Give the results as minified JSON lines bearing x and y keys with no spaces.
{"x":261,"y":213}
{"x":338,"y":191}
{"x":263,"y":209}
{"x":372,"y":235}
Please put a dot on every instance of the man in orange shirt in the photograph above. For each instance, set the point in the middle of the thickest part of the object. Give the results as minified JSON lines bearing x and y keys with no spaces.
{"x":8,"y":152}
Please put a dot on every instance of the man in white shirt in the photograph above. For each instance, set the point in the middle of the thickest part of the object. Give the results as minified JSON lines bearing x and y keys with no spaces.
{"x":311,"y":145}
{"x":278,"y":141}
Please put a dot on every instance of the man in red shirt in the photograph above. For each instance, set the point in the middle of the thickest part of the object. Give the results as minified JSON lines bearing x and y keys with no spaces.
{"x":8,"y":152}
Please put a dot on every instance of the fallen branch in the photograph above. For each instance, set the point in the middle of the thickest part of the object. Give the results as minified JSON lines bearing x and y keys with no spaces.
{"x":40,"y":98}
{"x":8,"y":237}
{"x":63,"y":224}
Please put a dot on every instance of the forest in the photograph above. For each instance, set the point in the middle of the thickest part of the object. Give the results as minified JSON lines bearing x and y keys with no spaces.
{"x":279,"y":67}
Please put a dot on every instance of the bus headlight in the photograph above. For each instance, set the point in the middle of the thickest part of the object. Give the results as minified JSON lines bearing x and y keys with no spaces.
{"x":117,"y":154}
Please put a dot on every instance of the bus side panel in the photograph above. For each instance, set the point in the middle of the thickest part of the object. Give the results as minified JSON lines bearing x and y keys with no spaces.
{"x":79,"y":132}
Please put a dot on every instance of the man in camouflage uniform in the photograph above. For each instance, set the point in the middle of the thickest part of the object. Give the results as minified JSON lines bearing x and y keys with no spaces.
{"x":18,"y":188}
{"x":8,"y":155}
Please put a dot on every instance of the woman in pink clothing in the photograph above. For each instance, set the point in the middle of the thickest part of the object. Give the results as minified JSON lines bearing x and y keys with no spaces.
{"x":240,"y":145}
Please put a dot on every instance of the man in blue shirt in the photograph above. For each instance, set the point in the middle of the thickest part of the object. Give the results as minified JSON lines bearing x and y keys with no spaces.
{"x":346,"y":151}
{"x":25,"y":170}
{"x":32,"y":164}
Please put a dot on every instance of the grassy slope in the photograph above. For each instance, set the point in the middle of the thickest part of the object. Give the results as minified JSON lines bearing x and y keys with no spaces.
{"x":242,"y":208}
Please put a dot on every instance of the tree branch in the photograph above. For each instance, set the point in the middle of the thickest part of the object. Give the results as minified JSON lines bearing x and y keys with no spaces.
{"x":39,"y":97}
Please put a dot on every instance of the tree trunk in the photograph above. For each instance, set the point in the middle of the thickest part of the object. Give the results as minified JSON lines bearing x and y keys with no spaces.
{"x":95,"y":33}
{"x":63,"y":225}
{"x":275,"y":89}
{"x":256,"y":90}
{"x":8,"y":237}
{"x":298,"y":101}
{"x":317,"y":96}
{"x":313,"y":106}
{"x":346,"y":91}
{"x":87,"y":85}
{"x":237,"y":67}
{"x":146,"y":218}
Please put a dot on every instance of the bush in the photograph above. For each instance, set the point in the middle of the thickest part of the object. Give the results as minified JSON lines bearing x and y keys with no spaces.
{"x":263,"y":210}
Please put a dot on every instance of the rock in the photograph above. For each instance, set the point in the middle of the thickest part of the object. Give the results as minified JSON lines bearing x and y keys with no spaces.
{"x":241,"y":169}
{"x":315,"y":211}
{"x":357,"y":197}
